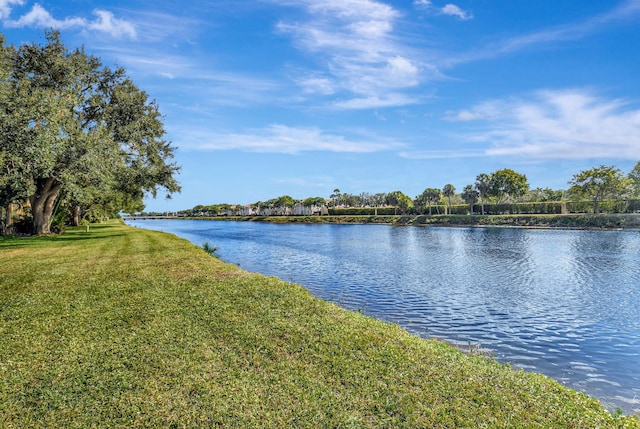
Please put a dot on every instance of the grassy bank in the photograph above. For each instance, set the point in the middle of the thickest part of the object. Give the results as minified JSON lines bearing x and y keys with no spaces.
{"x":569,"y":221}
{"x":121,"y":327}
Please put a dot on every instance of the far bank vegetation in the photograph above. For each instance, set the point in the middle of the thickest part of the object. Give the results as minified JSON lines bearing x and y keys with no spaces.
{"x":603,"y":189}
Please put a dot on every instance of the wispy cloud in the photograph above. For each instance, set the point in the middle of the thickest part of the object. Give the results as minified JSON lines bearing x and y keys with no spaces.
{"x":39,"y":17}
{"x":387,"y":100}
{"x":355,"y":39}
{"x":448,"y":9}
{"x":6,"y":6}
{"x":570,"y":124}
{"x":279,"y":138}
{"x":453,"y":10}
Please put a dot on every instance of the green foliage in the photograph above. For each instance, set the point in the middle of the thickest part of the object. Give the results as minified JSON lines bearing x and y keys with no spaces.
{"x":470,"y":195}
{"x":483,"y":186}
{"x":507,"y":183}
{"x":211,"y":250}
{"x":634,"y":180}
{"x":598,"y":184}
{"x":362,"y":211}
{"x":73,"y":126}
{"x":313,"y":201}
{"x":525,"y":208}
{"x":544,"y":195}
{"x":427,"y":198}
{"x":606,"y":206}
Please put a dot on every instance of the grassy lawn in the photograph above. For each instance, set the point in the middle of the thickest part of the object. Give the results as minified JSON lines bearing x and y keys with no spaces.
{"x":121,"y":327}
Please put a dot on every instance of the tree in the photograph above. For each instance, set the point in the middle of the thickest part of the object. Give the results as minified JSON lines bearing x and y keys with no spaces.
{"x":598,"y":184}
{"x":378,"y":199}
{"x":483,"y":186}
{"x":429,"y":196}
{"x":69,"y":124}
{"x":335,"y":197}
{"x":508,"y":183}
{"x":285,"y":201}
{"x":634,"y":179}
{"x":449,"y":191}
{"x":398,"y":200}
{"x":404,"y":203}
{"x":314,"y":201}
{"x":470,"y":196}
{"x":543,"y":195}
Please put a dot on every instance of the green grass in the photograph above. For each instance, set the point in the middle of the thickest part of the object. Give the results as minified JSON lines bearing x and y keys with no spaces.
{"x":122,"y":327}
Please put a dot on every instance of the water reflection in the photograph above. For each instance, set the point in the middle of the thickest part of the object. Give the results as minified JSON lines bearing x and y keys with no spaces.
{"x":564,"y":303}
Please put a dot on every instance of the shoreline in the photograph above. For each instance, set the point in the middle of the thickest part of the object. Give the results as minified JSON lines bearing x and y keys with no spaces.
{"x":605,"y":221}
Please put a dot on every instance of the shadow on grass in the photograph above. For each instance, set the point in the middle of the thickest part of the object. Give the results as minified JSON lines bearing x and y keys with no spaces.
{"x":74,"y":234}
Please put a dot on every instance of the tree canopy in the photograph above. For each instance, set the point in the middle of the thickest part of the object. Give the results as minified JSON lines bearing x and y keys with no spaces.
{"x":76,"y":130}
{"x":597,"y":184}
{"x":449,"y":191}
{"x":428,"y":197}
{"x":470,"y":196}
{"x":483,"y":186}
{"x":507,"y":183}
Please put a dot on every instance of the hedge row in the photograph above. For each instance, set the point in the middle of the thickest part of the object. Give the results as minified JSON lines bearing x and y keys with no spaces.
{"x":557,"y":207}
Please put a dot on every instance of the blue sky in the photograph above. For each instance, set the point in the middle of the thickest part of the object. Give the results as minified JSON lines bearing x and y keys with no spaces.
{"x":298,"y":97}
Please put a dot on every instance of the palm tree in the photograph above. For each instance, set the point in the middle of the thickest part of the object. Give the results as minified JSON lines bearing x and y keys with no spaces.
{"x":449,"y":191}
{"x":483,"y":185}
{"x":470,"y":196}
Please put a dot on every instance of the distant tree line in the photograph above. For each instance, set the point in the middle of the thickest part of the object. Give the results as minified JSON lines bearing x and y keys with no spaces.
{"x":503,"y":191}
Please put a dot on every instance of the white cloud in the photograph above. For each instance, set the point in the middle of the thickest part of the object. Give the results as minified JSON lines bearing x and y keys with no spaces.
{"x":570,"y":124}
{"x":355,"y":40}
{"x":453,"y":10}
{"x":448,"y":9}
{"x":7,"y":5}
{"x":442,"y":154}
{"x":488,"y":110}
{"x":373,"y":102}
{"x":464,"y":115}
{"x":422,"y":3}
{"x":107,"y":23}
{"x":317,"y":85}
{"x":402,"y":72}
{"x":39,"y":17}
{"x":284,"y":139}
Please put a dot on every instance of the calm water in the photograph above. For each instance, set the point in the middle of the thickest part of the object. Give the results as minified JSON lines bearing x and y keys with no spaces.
{"x":563,"y":303}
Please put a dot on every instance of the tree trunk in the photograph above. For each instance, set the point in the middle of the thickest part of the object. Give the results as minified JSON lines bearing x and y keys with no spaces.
{"x":10,"y":214}
{"x":76,"y":215}
{"x":42,"y":203}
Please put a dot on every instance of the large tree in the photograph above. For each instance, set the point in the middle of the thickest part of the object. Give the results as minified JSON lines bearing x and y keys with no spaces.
{"x":508,"y":183}
{"x":598,"y":184}
{"x":71,"y":125}
{"x":427,"y":198}
{"x":398,"y":200}
{"x":405,"y":203}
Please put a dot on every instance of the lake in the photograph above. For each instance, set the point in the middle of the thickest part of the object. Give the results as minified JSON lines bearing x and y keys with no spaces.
{"x":559,"y":302}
